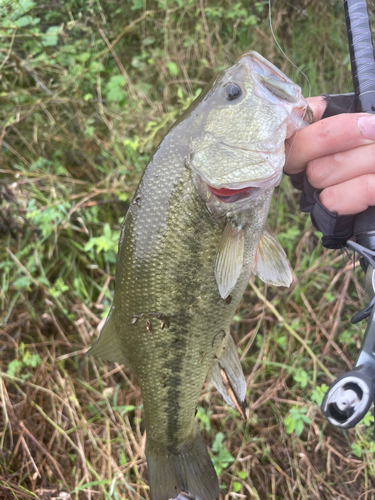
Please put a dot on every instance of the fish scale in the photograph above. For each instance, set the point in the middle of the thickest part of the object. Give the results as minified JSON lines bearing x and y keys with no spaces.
{"x":185,"y":258}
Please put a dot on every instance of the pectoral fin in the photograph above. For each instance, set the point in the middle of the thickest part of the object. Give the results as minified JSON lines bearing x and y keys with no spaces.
{"x":108,"y":345}
{"x":228,"y":378}
{"x":229,"y":259}
{"x":271,"y":263}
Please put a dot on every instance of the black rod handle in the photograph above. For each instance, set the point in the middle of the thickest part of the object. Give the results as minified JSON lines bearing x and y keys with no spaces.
{"x":362,"y":55}
{"x":362,"y":59}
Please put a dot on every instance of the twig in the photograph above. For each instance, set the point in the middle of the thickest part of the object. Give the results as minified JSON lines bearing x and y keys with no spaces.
{"x":290,"y":330}
{"x":205,"y":25}
{"x":124,"y":31}
{"x":326,"y":334}
{"x":123,"y":70}
{"x":30,"y":456}
{"x":45,"y":451}
{"x":23,"y":269}
{"x":338,"y":314}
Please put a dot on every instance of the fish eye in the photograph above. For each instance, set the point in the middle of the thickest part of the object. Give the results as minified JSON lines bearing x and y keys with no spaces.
{"x":232,"y":91}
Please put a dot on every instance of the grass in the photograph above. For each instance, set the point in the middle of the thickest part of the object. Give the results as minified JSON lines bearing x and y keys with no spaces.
{"x":88,"y":89}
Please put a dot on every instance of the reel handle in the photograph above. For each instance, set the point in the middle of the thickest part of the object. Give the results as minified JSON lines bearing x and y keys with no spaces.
{"x":350,"y":396}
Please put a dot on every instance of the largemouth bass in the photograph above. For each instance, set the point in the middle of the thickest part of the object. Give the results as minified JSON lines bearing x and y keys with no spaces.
{"x":194,"y":233}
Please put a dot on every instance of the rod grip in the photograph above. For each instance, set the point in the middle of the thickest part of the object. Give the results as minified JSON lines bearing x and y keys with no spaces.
{"x":364,"y":228}
{"x":362,"y":55}
{"x":362,"y":58}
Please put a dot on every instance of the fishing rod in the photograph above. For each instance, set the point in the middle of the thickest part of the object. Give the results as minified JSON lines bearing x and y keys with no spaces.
{"x":349,"y":397}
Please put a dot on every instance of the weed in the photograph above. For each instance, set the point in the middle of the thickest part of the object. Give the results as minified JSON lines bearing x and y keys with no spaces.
{"x":221,"y":457}
{"x":296,"y":420}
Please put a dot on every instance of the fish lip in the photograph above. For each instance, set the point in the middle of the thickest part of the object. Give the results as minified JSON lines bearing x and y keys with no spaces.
{"x":238,"y":194}
{"x":267,"y":182}
{"x":252,"y":59}
{"x":244,"y":190}
{"x":249,"y":150}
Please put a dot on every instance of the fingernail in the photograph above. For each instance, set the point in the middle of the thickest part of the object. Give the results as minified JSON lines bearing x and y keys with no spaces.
{"x":366,"y":125}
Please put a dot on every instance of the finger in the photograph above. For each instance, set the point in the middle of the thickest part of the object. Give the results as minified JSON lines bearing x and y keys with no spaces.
{"x":341,"y":167}
{"x":350,"y":197}
{"x":318,"y":105}
{"x":326,"y":137}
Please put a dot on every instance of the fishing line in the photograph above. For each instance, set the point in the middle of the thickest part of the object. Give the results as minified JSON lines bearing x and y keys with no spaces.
{"x":281,"y":50}
{"x":298,"y":70}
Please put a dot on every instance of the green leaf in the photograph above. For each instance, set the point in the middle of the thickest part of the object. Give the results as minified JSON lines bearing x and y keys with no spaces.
{"x":58,"y":288}
{"x":14,"y":367}
{"x":357,"y":450}
{"x":23,"y":6}
{"x":172,"y":68}
{"x":31,"y":359}
{"x":115,"y":95}
{"x":23,"y":21}
{"x":301,"y":377}
{"x":218,"y":443}
{"x":317,"y":394}
{"x":296,"y":420}
{"x":298,"y":427}
{"x":122,"y":459}
{"x":148,"y":41}
{"x":368,"y":419}
{"x":114,"y":88}
{"x":180,"y":93}
{"x":116,"y":81}
{"x":236,"y":487}
{"x":107,"y":242}
{"x":137,"y":5}
{"x":22,"y":282}
{"x":124,"y":409}
{"x":51,"y":36}
{"x":289,"y":423}
{"x":85,"y":56}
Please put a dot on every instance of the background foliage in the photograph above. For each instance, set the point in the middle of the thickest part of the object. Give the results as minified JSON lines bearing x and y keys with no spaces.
{"x":87,"y":90}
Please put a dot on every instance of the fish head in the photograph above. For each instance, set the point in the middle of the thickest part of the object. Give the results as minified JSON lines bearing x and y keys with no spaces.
{"x":249,"y":111}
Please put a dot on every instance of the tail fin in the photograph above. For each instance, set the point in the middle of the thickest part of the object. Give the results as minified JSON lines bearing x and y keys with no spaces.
{"x":189,"y":469}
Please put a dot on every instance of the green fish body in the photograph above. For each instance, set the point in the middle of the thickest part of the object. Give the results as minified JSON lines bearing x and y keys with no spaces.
{"x":192,"y":236}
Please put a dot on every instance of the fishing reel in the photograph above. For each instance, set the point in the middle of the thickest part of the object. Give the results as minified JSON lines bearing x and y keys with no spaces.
{"x":350,"y":396}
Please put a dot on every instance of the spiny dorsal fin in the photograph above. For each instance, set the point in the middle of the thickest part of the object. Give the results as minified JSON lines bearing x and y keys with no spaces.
{"x":229,"y":259}
{"x":228,"y":378}
{"x":271,"y":264}
{"x":108,"y":345}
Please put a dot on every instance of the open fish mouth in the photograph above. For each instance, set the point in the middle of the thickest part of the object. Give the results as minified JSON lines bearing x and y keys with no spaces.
{"x":232,"y":195}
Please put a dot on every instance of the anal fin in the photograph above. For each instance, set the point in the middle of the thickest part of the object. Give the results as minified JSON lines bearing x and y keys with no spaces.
{"x":108,"y":346}
{"x":228,"y":378}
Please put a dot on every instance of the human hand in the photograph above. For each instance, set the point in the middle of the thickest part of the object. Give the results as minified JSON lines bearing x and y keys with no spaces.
{"x":338,"y":154}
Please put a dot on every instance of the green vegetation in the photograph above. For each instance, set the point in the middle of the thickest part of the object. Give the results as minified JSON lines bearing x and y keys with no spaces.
{"x":87,"y":91}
